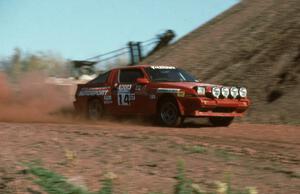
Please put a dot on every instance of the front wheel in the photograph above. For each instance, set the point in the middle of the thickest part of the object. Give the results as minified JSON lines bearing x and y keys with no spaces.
{"x":95,"y":109}
{"x":169,"y":114}
{"x":221,"y":121}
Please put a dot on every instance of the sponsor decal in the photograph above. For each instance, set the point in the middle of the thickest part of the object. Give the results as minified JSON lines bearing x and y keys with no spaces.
{"x":152,"y":96}
{"x":138,"y":87}
{"x":124,"y":87}
{"x":162,"y":67}
{"x":167,"y":90}
{"x":107,"y":98}
{"x":99,"y":91}
{"x":132,"y":97}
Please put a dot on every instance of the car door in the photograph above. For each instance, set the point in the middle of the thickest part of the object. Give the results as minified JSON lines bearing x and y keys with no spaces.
{"x":124,"y":92}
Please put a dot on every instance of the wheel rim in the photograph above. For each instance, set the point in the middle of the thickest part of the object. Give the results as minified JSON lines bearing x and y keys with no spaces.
{"x":95,"y":110}
{"x":169,"y":113}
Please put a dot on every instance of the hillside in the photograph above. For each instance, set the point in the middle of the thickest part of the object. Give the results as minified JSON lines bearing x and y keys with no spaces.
{"x":254,"y":44}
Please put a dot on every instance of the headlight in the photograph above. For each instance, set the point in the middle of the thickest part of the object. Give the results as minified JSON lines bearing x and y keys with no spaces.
{"x":243,"y":92}
{"x":200,"y":90}
{"x":234,"y":92}
{"x":216,"y":92}
{"x":225,"y":92}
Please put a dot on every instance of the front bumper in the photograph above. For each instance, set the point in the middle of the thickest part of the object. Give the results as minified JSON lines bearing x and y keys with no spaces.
{"x":205,"y":107}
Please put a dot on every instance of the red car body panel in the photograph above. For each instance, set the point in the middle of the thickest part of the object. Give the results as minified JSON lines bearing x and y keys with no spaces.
{"x":144,"y":98}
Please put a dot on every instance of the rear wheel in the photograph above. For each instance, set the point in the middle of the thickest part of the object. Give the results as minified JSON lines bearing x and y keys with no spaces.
{"x":221,"y":121}
{"x":95,"y":109}
{"x":169,"y":114}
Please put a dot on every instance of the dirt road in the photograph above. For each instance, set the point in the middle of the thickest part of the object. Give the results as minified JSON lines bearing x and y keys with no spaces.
{"x":145,"y":158}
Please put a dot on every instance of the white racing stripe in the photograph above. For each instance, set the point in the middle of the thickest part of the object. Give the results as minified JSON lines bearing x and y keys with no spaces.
{"x":167,"y":90}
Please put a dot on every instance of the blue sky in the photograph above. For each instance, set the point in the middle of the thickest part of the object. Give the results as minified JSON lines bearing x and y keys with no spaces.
{"x":79,"y":29}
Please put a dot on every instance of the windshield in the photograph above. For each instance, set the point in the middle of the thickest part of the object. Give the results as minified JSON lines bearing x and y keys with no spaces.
{"x":169,"y":75}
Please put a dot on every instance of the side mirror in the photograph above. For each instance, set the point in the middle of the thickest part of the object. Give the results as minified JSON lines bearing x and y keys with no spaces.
{"x":142,"y":81}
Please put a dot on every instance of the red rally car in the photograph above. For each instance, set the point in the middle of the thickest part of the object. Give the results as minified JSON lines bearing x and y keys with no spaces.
{"x":167,"y":92}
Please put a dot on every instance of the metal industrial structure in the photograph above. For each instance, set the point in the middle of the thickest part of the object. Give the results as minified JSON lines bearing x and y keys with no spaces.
{"x":131,"y":54}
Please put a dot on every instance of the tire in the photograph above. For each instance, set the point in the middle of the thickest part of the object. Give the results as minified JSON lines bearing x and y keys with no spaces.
{"x":168,"y":114}
{"x":221,"y":121}
{"x":95,"y":109}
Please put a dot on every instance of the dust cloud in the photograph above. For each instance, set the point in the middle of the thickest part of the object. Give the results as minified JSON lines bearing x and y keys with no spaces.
{"x":31,"y":99}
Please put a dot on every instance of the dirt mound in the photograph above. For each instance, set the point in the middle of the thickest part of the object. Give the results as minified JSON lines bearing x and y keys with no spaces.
{"x":254,"y":44}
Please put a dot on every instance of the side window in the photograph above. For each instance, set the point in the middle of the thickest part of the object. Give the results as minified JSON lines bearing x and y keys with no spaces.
{"x":130,"y":75}
{"x":102,"y":78}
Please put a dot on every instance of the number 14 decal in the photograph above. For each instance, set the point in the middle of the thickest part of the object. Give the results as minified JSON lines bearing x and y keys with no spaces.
{"x":124,"y":98}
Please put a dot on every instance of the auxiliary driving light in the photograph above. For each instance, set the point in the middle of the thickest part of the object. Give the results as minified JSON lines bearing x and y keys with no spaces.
{"x":234,"y":92}
{"x":216,"y":92}
{"x":243,"y":92}
{"x":225,"y":92}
